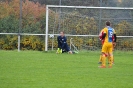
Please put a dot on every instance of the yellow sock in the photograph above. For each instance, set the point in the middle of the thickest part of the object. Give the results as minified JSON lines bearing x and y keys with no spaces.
{"x":100,"y":60}
{"x":103,"y":60}
{"x":110,"y":60}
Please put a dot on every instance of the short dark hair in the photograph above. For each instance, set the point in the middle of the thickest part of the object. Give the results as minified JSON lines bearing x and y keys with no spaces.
{"x":108,"y":23}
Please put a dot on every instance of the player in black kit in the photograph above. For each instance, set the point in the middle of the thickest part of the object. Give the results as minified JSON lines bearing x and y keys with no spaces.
{"x":62,"y":44}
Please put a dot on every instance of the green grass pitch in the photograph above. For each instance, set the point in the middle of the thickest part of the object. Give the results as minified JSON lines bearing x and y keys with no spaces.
{"x":34,"y":69}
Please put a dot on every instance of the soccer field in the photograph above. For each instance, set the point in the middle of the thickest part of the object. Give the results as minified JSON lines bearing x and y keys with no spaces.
{"x":34,"y":69}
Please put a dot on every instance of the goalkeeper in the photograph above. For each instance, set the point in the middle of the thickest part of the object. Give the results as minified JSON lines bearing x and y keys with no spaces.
{"x":62,"y":44}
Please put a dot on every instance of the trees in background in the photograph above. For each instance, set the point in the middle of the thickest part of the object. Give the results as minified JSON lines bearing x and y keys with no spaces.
{"x":33,"y":21}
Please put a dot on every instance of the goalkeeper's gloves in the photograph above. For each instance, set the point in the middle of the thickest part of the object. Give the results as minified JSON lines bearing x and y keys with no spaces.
{"x":59,"y":50}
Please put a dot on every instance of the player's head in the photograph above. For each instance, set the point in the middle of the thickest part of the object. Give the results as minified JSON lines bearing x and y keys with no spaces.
{"x":108,"y":23}
{"x":62,"y":33}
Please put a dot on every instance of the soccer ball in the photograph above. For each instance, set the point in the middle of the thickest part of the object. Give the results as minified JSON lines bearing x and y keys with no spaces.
{"x":51,"y":36}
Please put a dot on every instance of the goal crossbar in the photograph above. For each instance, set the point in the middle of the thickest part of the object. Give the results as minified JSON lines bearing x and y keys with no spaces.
{"x":89,"y":7}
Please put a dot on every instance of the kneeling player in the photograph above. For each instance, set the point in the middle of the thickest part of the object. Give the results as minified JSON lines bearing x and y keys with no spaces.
{"x":62,"y":44}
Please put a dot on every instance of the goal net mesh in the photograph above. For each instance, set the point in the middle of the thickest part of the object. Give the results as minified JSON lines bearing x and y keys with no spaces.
{"x":84,"y":24}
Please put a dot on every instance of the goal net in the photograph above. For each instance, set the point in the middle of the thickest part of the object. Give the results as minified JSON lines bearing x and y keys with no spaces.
{"x":82,"y":24}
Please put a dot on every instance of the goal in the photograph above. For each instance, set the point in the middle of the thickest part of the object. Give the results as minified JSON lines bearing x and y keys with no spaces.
{"x":83,"y":24}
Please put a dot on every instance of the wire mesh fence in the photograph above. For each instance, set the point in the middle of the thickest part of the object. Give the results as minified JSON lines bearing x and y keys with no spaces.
{"x":83,"y":24}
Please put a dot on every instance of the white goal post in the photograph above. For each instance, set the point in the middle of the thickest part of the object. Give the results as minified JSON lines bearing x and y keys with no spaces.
{"x":76,"y":7}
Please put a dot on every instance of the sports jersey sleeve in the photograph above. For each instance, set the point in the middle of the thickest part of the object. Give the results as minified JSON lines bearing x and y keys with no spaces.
{"x":104,"y":33}
{"x":105,"y":30}
{"x":59,"y":42}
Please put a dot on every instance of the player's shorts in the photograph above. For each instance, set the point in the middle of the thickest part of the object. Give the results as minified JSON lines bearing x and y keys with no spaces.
{"x":107,"y":47}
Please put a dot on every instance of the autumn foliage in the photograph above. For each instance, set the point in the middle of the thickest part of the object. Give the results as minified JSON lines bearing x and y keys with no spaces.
{"x":28,"y":9}
{"x":33,"y":21}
